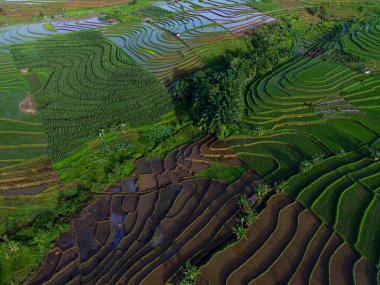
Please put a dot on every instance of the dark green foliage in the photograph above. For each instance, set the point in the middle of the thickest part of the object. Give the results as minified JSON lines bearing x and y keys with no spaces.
{"x":322,"y":12}
{"x":215,"y":95}
{"x":214,"y":99}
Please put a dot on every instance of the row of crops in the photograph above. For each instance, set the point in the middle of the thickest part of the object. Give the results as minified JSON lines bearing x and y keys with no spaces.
{"x":21,"y":135}
{"x":94,"y":85}
{"x":316,"y":127}
{"x":288,"y":245}
{"x":363,"y":39}
{"x":344,"y":192}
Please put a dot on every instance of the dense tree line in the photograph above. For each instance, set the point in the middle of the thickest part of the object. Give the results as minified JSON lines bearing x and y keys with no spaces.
{"x":215,"y":95}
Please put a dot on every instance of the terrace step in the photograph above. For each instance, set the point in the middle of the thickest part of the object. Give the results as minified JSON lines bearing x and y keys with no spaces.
{"x":310,"y":252}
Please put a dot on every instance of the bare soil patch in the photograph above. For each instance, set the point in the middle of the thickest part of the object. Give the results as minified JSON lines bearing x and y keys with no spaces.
{"x":28,"y":106}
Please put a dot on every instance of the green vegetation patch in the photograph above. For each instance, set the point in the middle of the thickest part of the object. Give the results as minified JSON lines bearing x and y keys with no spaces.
{"x":21,"y":134}
{"x":223,"y":172}
{"x":94,"y":85}
{"x":48,"y":27}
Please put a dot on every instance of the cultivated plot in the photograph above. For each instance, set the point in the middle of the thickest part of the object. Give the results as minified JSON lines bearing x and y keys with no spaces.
{"x":15,"y":34}
{"x":237,"y":19}
{"x":161,"y":53}
{"x":142,"y":231}
{"x":94,"y":85}
{"x":67,"y":26}
{"x":21,"y":134}
{"x":174,"y":6}
{"x":288,"y":245}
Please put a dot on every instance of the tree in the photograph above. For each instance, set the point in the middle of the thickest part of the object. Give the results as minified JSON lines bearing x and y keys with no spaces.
{"x":215,"y":101}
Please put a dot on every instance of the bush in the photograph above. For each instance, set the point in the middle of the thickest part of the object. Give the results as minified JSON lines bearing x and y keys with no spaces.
{"x":190,"y":274}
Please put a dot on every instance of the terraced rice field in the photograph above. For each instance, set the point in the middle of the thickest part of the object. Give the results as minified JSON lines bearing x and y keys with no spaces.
{"x":237,"y":19}
{"x":94,"y":85}
{"x":343,"y":191}
{"x":20,"y":33}
{"x":164,"y":47}
{"x":364,"y":39}
{"x":288,"y":245}
{"x":188,"y":5}
{"x":159,"y":52}
{"x":296,"y":90}
{"x":21,"y":135}
{"x":28,"y":178}
{"x":67,"y":26}
{"x":15,"y":34}
{"x":27,"y":9}
{"x":142,"y":231}
{"x":349,"y":176}
{"x":194,"y":30}
{"x":317,"y":111}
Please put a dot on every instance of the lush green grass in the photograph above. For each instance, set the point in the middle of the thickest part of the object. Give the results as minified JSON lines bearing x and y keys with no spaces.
{"x":223,"y":172}
{"x":94,"y":86}
{"x":49,"y":27}
{"x":210,"y":52}
{"x":369,"y":234}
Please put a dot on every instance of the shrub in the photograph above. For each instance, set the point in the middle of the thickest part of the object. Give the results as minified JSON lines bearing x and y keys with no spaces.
{"x":239,"y":231}
{"x":263,"y":190}
{"x":190,"y":274}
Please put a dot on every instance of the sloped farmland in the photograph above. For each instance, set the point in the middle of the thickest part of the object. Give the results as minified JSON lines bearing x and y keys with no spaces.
{"x":94,"y":85}
{"x":158,"y":51}
{"x":288,"y":245}
{"x":21,"y":135}
{"x":142,"y":231}
{"x":237,"y":19}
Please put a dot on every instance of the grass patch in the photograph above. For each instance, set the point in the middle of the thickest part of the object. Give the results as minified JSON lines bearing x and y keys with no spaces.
{"x":223,"y":172}
{"x":211,"y":52}
{"x":48,"y":27}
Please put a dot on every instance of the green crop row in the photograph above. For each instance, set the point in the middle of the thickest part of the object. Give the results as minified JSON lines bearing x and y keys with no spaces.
{"x":94,"y":85}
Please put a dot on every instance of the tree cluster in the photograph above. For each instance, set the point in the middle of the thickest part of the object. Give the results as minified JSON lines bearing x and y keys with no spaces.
{"x":215,"y":95}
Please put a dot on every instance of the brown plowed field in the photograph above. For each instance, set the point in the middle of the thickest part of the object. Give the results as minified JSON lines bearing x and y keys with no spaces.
{"x":142,"y":231}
